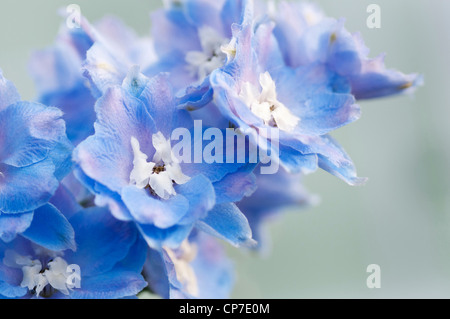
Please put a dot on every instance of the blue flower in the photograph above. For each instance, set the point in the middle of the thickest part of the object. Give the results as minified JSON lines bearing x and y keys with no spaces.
{"x":115,"y":49}
{"x":60,"y":83}
{"x":59,"y":75}
{"x":197,"y":269}
{"x":189,"y":37}
{"x":130,"y":166}
{"x":106,"y":265}
{"x":34,"y":156}
{"x":259,"y":94}
{"x":306,"y":36}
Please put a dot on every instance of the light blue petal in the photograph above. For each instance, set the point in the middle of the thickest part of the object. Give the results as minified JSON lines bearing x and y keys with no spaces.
{"x":171,"y":237}
{"x":171,"y":32}
{"x":25,"y":189}
{"x":201,"y":196}
{"x":102,"y":241}
{"x":162,"y":106}
{"x":65,"y":202}
{"x":114,"y":284}
{"x":234,"y":187}
{"x":28,"y":131}
{"x":214,"y":271}
{"x":8,"y":93}
{"x":227,"y":222}
{"x":50,"y":229}
{"x":147,"y":209}
{"x":13,"y":224}
{"x":337,"y":162}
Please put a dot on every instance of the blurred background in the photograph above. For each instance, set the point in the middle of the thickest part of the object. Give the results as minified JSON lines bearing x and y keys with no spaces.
{"x":400,"y":220}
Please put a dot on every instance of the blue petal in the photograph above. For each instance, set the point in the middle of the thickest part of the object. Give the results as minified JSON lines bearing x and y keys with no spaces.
{"x":149,"y":210}
{"x":104,"y":196}
{"x":202,"y":13}
{"x":161,"y":104}
{"x":173,"y":32}
{"x":104,"y":69}
{"x":65,"y":202}
{"x":338,"y":163}
{"x":233,"y":12}
{"x":28,"y":131}
{"x":201,"y":196}
{"x":8,"y":93}
{"x":170,"y":237}
{"x":155,"y":273}
{"x":107,"y":157}
{"x":50,"y":229}
{"x":115,"y":284}
{"x":196,"y":96}
{"x":234,"y":187}
{"x":295,"y":162}
{"x":213,"y":269}
{"x":227,"y":222}
{"x":13,"y":224}
{"x":102,"y":241}
{"x":10,"y":280}
{"x":309,"y":94}
{"x":25,"y":189}
{"x":136,"y":256}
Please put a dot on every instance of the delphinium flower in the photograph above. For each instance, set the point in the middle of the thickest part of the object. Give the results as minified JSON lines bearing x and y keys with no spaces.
{"x":34,"y":156}
{"x":196,"y":269}
{"x":130,"y":166}
{"x":257,"y":92}
{"x":106,"y":263}
{"x":58,"y":70}
{"x":59,"y":75}
{"x":307,"y":37}
{"x":189,"y":40}
{"x":190,"y":37}
{"x":237,"y":65}
{"x":59,"y":80}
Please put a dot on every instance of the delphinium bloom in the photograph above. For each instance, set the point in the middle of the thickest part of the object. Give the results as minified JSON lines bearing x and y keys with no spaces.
{"x":59,"y":80}
{"x":257,"y":92}
{"x":107,"y":262}
{"x":59,"y":75}
{"x":196,"y":269}
{"x":190,"y":37}
{"x":307,"y":37}
{"x":230,"y":64}
{"x":58,"y":70}
{"x":34,"y":156}
{"x":130,"y":166}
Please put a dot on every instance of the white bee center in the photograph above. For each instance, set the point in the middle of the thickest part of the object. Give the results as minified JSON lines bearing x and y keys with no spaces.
{"x":263,"y":102}
{"x":162,"y":173}
{"x":202,"y":63}
{"x":36,"y":277}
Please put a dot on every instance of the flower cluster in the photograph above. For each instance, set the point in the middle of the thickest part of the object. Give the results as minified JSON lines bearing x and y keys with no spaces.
{"x":142,"y":153}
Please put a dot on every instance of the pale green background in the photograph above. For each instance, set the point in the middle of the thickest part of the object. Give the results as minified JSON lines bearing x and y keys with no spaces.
{"x":400,"y":220}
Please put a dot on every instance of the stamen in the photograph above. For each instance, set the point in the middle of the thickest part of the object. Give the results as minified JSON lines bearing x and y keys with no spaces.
{"x":202,"y":63}
{"x":38,"y":279}
{"x":264,"y":104}
{"x":160,"y":175}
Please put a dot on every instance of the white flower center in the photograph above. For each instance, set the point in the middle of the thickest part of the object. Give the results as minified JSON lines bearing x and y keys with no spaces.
{"x":202,"y":63}
{"x":161,"y":174}
{"x":264,"y":104}
{"x":182,"y":259}
{"x":38,"y":278}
